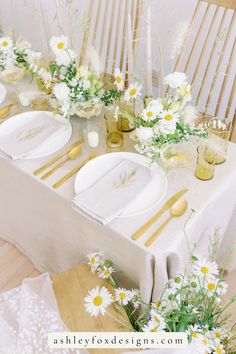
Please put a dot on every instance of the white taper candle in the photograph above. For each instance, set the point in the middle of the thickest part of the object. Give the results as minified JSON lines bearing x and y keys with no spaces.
{"x":148,"y":76}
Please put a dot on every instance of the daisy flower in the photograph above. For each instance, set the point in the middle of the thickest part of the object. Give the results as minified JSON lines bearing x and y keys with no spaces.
{"x":133,"y":91}
{"x":97,"y":301}
{"x":94,"y":260}
{"x":170,"y":115}
{"x":158,"y":319}
{"x":201,"y":344}
{"x":151,"y":326}
{"x":211,"y":287}
{"x":105,"y":272}
{"x":149,"y":114}
{"x":222,"y":287}
{"x":6,"y":43}
{"x":58,"y":43}
{"x":135,"y":297}
{"x":122,"y":295}
{"x":219,"y":350}
{"x":206,"y":268}
{"x":119,"y":79}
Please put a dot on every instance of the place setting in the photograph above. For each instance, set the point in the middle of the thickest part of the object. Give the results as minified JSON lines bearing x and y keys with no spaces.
{"x":117,"y":183}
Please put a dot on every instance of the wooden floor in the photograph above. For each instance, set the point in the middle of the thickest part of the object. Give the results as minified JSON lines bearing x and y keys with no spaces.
{"x":14,"y":267}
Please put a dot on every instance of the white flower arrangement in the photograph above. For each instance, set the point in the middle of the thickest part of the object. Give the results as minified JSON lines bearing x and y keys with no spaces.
{"x":189,"y":303}
{"x":167,"y":119}
{"x":15,"y":57}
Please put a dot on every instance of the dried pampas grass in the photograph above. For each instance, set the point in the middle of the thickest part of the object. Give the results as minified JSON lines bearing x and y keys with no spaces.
{"x":93,"y":60}
{"x":180,"y":35}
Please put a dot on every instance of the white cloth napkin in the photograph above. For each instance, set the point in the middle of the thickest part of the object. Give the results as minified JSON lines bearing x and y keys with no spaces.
{"x":112,"y":193}
{"x":23,"y":140}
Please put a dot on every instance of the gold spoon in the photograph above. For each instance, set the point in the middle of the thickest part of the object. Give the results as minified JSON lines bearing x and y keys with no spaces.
{"x":4,"y":111}
{"x":178,"y":209}
{"x":72,"y":155}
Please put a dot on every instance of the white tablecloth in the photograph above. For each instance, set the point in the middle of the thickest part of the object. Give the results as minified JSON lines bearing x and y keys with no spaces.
{"x":40,"y":221}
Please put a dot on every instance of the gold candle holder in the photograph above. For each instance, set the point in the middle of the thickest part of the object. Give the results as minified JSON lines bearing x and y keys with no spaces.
{"x":126,"y":115}
{"x":114,"y":140}
{"x":205,"y":163}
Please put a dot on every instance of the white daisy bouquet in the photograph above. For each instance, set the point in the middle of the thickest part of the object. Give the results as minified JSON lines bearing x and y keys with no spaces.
{"x":16,"y":57}
{"x":189,"y":303}
{"x":167,"y":119}
{"x":74,"y":89}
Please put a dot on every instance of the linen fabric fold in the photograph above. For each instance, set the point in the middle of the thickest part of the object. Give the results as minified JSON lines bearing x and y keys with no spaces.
{"x":29,"y":136}
{"x":111,"y":194}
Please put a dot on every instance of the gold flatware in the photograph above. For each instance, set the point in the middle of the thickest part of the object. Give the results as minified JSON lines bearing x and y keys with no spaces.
{"x":57,"y":157}
{"x":154,"y":218}
{"x":5,"y":111}
{"x":76,"y":169}
{"x":72,"y":155}
{"x":178,"y":209}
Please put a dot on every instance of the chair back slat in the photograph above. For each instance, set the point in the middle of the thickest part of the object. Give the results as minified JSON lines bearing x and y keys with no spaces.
{"x":213,"y":51}
{"x":207,"y":57}
{"x":106,"y":30}
{"x":229,"y":4}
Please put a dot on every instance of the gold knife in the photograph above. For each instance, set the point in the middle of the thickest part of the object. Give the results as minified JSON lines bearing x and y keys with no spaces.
{"x":76,"y":169}
{"x":154,"y":218}
{"x":57,"y":157}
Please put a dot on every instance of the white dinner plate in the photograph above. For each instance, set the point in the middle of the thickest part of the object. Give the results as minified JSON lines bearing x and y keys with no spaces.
{"x":44,"y":149}
{"x":98,"y":167}
{"x":3,"y":93}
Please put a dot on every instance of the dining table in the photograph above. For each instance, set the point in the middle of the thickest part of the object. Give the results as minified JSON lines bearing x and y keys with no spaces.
{"x":42,"y":224}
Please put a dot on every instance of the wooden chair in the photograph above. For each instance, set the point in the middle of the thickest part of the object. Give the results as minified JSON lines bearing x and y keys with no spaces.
{"x":106,"y":28}
{"x":208,"y":57}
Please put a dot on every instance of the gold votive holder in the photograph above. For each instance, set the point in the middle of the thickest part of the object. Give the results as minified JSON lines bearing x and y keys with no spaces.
{"x":40,"y":103}
{"x":219,"y":131}
{"x":114,"y":138}
{"x":126,"y":115}
{"x":205,"y":163}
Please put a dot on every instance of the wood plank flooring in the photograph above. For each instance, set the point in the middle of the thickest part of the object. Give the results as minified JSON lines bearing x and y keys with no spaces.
{"x":14,"y":267}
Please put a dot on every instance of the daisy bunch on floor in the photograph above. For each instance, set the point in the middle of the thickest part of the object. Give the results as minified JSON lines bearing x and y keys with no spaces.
{"x":16,"y":57}
{"x":167,"y":119}
{"x":189,"y":303}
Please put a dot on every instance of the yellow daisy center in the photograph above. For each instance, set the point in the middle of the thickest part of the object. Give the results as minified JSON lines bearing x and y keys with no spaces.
{"x":211,"y":286}
{"x":205,"y":341}
{"x":204,"y":270}
{"x":157,"y":304}
{"x":217,"y":334}
{"x":149,"y":114}
{"x":97,"y":301}
{"x":122,"y":296}
{"x":118,"y":79}
{"x":60,"y":45}
{"x":106,"y":272}
{"x":153,"y":330}
{"x":219,"y":350}
{"x":168,"y":117}
{"x":5,"y":43}
{"x":92,"y":260}
{"x":156,"y":319}
{"x":194,"y":335}
{"x":132,"y":91}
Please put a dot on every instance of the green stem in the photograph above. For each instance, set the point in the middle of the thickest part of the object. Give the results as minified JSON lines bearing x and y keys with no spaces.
{"x":118,"y":321}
